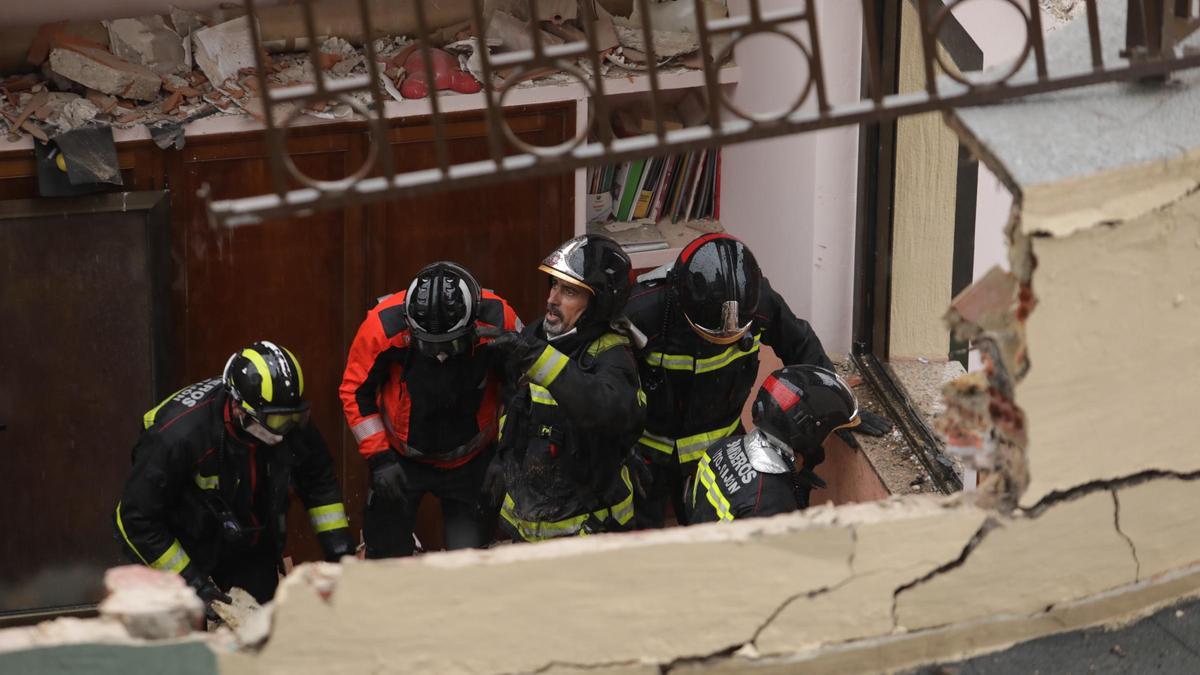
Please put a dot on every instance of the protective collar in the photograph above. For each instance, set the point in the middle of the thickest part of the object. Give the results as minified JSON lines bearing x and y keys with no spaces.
{"x":768,"y":454}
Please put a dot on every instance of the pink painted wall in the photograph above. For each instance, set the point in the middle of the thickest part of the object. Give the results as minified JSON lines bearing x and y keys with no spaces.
{"x":793,"y":199}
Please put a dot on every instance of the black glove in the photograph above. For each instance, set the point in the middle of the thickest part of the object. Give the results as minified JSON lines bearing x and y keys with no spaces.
{"x":336,"y":543}
{"x":491,"y":493}
{"x":521,"y":348}
{"x":639,"y":474}
{"x":208,"y":593}
{"x":869,"y":423}
{"x":803,"y":482}
{"x":387,"y":476}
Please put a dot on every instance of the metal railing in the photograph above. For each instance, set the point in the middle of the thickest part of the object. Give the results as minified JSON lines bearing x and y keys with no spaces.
{"x":1154,"y":29}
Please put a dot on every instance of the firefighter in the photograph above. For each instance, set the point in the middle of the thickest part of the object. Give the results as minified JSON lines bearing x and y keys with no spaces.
{"x":770,"y":470}
{"x":422,"y":399}
{"x":578,"y":408}
{"x":208,"y":494}
{"x":699,"y":327}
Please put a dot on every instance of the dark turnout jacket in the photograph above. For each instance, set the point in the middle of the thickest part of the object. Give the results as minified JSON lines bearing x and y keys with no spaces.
{"x":192,"y":471}
{"x":567,"y":432}
{"x":695,"y":389}
{"x":745,"y":476}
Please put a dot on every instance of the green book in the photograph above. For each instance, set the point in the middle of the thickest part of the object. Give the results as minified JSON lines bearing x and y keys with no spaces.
{"x":629,"y":194}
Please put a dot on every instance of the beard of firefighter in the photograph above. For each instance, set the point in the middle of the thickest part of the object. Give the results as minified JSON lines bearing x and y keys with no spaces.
{"x":565,"y":304}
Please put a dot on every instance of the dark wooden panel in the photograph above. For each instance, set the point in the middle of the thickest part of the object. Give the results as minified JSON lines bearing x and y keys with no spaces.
{"x":81,"y":348}
{"x":280,"y":281}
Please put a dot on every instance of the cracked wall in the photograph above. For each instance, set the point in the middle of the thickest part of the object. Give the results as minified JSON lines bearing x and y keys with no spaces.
{"x":1105,"y":234}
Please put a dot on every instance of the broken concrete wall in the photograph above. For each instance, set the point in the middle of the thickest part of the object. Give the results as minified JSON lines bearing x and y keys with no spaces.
{"x":1105,"y":531}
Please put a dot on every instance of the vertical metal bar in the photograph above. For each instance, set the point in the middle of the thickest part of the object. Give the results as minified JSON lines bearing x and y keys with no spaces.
{"x":314,"y":52}
{"x":874,"y":85}
{"x":711,"y":84}
{"x":495,"y":133}
{"x":599,"y":103}
{"x":1039,"y":42}
{"x":535,"y":34}
{"x":660,"y":129}
{"x":1093,"y":19}
{"x":928,"y":47}
{"x":384,"y":157}
{"x":439,"y":128}
{"x":817,"y":73}
{"x":275,"y":147}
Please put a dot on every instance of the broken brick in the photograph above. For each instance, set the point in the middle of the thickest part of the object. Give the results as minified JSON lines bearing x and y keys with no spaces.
{"x":172,"y":102}
{"x":104,"y":72}
{"x":148,"y":41}
{"x":61,"y":34}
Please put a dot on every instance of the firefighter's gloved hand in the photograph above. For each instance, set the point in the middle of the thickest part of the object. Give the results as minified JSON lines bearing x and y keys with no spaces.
{"x":491,"y":493}
{"x":870,"y":424}
{"x":639,"y":474}
{"x":208,"y":593}
{"x":387,"y":476}
{"x":521,"y":348}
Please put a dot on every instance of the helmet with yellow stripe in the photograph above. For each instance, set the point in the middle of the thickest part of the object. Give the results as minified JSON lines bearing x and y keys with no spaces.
{"x":266,"y":382}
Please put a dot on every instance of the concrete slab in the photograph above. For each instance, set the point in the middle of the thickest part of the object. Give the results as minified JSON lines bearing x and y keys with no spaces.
{"x":1068,"y":552}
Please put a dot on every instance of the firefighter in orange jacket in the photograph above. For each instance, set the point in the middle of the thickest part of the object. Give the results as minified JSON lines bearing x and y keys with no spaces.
{"x":422,"y":399}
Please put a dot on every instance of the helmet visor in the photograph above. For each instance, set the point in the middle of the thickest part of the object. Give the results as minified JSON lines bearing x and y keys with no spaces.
{"x":729,"y":332}
{"x":456,"y":347}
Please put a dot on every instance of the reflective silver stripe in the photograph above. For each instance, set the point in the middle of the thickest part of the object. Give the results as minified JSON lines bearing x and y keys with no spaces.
{"x":173,"y":560}
{"x":733,"y":353}
{"x":367,"y":428}
{"x":659,"y":443}
{"x":671,"y":361}
{"x":541,"y":395}
{"x":208,"y":482}
{"x":328,"y":517}
{"x":532,"y":530}
{"x":547,"y":367}
{"x":692,"y":447}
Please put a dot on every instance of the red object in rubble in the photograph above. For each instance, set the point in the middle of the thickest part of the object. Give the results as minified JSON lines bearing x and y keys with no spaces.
{"x":446,"y":75}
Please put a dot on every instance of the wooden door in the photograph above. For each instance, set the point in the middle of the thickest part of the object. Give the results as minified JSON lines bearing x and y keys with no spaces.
{"x":83,"y":352}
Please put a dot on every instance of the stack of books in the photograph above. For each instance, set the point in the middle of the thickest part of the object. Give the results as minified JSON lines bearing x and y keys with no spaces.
{"x":681,"y":187}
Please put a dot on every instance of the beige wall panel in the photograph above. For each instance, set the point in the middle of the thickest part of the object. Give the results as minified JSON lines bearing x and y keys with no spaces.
{"x":923,"y":221}
{"x":1161,"y":520}
{"x":1114,"y":345}
{"x":1070,"y":551}
{"x":518,"y":608}
{"x":886,"y":556}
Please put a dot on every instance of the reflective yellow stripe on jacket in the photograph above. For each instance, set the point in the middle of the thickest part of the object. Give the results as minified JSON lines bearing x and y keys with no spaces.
{"x":328,"y":517}
{"x":533,"y":530}
{"x":706,"y":477}
{"x":705,"y":365}
{"x":173,"y":560}
{"x":690,"y":448}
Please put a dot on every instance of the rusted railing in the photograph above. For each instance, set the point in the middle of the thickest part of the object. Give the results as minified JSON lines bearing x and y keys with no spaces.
{"x":1153,"y":31}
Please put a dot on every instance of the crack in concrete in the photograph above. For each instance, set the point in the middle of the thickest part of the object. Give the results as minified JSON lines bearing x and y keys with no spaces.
{"x":1137,"y":564}
{"x":988,"y":525}
{"x":1088,"y":488}
{"x":850,"y":576}
{"x":587,"y":666}
{"x":1035,"y":511}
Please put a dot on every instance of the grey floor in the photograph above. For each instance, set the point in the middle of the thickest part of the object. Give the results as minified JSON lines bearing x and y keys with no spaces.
{"x":1165,"y":642}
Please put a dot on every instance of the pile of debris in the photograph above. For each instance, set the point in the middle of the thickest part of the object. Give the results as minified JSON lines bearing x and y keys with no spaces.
{"x":166,"y":71}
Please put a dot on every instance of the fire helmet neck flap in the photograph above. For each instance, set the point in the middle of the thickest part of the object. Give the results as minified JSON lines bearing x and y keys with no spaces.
{"x":600,"y":266}
{"x":801,"y":405}
{"x":266,"y":382}
{"x":441,"y":306}
{"x":716,"y":282}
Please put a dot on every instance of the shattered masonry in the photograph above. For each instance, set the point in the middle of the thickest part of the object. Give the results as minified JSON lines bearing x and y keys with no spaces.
{"x":169,"y":70}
